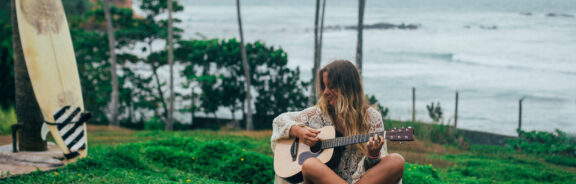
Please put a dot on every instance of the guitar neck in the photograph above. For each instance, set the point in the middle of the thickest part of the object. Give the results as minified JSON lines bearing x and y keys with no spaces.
{"x":344,"y":141}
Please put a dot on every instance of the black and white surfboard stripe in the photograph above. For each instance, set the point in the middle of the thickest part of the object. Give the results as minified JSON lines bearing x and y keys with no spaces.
{"x":72,"y":133}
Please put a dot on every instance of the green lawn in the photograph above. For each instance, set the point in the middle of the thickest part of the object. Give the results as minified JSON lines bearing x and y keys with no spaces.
{"x":201,"y":156}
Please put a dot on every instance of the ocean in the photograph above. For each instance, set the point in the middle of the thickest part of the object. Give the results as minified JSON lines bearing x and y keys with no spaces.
{"x":492,"y":52}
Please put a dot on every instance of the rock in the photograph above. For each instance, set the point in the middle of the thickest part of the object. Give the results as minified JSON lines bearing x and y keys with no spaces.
{"x":560,"y":15}
{"x":384,"y":25}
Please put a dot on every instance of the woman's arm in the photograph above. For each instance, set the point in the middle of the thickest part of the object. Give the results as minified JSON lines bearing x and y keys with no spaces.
{"x":374,"y":154}
{"x":294,"y":124}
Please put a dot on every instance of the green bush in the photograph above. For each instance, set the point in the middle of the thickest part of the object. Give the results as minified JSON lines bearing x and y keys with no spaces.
{"x":544,"y":142}
{"x":154,"y":123}
{"x":414,"y":173}
{"x":373,"y":101}
{"x":169,"y":156}
{"x":7,"y":119}
{"x":561,"y":160}
{"x":435,"y":111}
{"x":248,"y":167}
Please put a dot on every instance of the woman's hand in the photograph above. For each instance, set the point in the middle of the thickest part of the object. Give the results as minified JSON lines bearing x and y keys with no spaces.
{"x":306,"y":134}
{"x":374,"y":145}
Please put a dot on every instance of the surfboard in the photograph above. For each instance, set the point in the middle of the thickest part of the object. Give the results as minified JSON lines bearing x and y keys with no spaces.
{"x":51,"y":64}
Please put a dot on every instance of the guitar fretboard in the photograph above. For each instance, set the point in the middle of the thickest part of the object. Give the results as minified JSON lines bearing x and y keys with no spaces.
{"x":343,"y":141}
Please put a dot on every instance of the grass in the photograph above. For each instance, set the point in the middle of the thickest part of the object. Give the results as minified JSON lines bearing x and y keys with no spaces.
{"x":496,"y":164}
{"x":7,"y":119}
{"x":201,"y":156}
{"x":173,"y":159}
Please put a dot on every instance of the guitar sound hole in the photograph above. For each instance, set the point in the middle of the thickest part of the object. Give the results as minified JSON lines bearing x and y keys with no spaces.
{"x":316,"y":147}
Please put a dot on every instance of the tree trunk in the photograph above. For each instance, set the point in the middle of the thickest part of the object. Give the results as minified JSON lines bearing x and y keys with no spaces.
{"x":192,"y":105}
{"x":27,"y":109}
{"x":159,"y":88}
{"x":111,"y":45}
{"x":248,"y":109}
{"x":361,"y":5}
{"x":312,"y":98}
{"x":321,"y":33}
{"x":170,"y":122}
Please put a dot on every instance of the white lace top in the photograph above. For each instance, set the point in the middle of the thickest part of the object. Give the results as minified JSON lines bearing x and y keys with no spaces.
{"x":351,"y":166}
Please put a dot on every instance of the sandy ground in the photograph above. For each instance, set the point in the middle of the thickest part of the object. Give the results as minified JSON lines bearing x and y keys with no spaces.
{"x":24,"y":162}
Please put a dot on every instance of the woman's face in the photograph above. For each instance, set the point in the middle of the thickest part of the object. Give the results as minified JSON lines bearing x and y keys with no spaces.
{"x":329,"y":94}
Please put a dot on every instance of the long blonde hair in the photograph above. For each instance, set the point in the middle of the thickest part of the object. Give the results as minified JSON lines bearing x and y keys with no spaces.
{"x":351,"y":105}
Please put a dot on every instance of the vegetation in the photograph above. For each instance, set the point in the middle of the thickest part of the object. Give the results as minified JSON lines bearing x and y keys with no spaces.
{"x":191,"y":156}
{"x":6,"y":66}
{"x":373,"y":101}
{"x":212,"y":68}
{"x":435,"y":111}
{"x":7,"y":118}
{"x":214,"y":79}
{"x":494,"y":164}
{"x":544,"y":143}
{"x":201,"y":156}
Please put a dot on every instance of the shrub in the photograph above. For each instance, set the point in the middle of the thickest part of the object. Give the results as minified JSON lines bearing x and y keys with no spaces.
{"x":544,"y":142}
{"x":561,"y":160}
{"x":248,"y":167}
{"x":373,"y":101}
{"x":7,"y":119}
{"x":435,"y":112}
{"x":154,"y":123}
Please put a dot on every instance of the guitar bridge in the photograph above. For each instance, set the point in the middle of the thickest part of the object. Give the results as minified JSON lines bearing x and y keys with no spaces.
{"x":294,"y":149}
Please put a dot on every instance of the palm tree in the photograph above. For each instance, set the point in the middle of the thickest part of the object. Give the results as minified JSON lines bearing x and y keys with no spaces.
{"x":318,"y":31}
{"x":111,"y":45}
{"x":27,"y":109}
{"x":361,"y":5}
{"x":170,"y":121}
{"x":247,"y":100}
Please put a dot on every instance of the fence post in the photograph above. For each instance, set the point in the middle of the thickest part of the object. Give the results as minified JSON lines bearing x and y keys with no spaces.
{"x":456,"y":111}
{"x":520,"y":115}
{"x":413,"y":104}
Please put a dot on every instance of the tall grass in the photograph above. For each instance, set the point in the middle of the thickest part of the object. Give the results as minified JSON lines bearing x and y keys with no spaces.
{"x":7,"y":119}
{"x":433,"y":132}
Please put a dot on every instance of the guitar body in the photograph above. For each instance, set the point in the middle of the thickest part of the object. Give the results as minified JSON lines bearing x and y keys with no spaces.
{"x":289,"y":167}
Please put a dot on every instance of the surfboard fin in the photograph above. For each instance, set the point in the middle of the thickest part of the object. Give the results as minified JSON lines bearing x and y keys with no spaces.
{"x":44,"y":131}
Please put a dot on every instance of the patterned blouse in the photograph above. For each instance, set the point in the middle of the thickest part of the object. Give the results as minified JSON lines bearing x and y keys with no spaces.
{"x":352,"y":165}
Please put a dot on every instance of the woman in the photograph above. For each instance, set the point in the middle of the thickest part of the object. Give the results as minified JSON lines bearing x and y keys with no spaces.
{"x":341,"y":104}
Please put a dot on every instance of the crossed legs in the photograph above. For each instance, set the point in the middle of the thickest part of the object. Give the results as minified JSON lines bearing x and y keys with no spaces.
{"x":389,"y":170}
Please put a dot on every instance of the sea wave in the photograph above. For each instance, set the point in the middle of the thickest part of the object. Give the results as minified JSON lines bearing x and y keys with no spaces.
{"x":503,"y":63}
{"x":486,"y":61}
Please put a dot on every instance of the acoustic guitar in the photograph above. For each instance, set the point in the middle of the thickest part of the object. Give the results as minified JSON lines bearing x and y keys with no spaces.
{"x":290,"y":153}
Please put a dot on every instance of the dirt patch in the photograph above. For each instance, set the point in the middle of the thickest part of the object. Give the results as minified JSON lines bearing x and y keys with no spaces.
{"x":5,"y":139}
{"x":97,"y":128}
{"x":421,"y":147}
{"x":26,"y":162}
{"x":420,"y":152}
{"x":255,"y":134}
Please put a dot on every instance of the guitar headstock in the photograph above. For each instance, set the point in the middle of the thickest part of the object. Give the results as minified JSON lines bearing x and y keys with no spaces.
{"x":400,"y":134}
